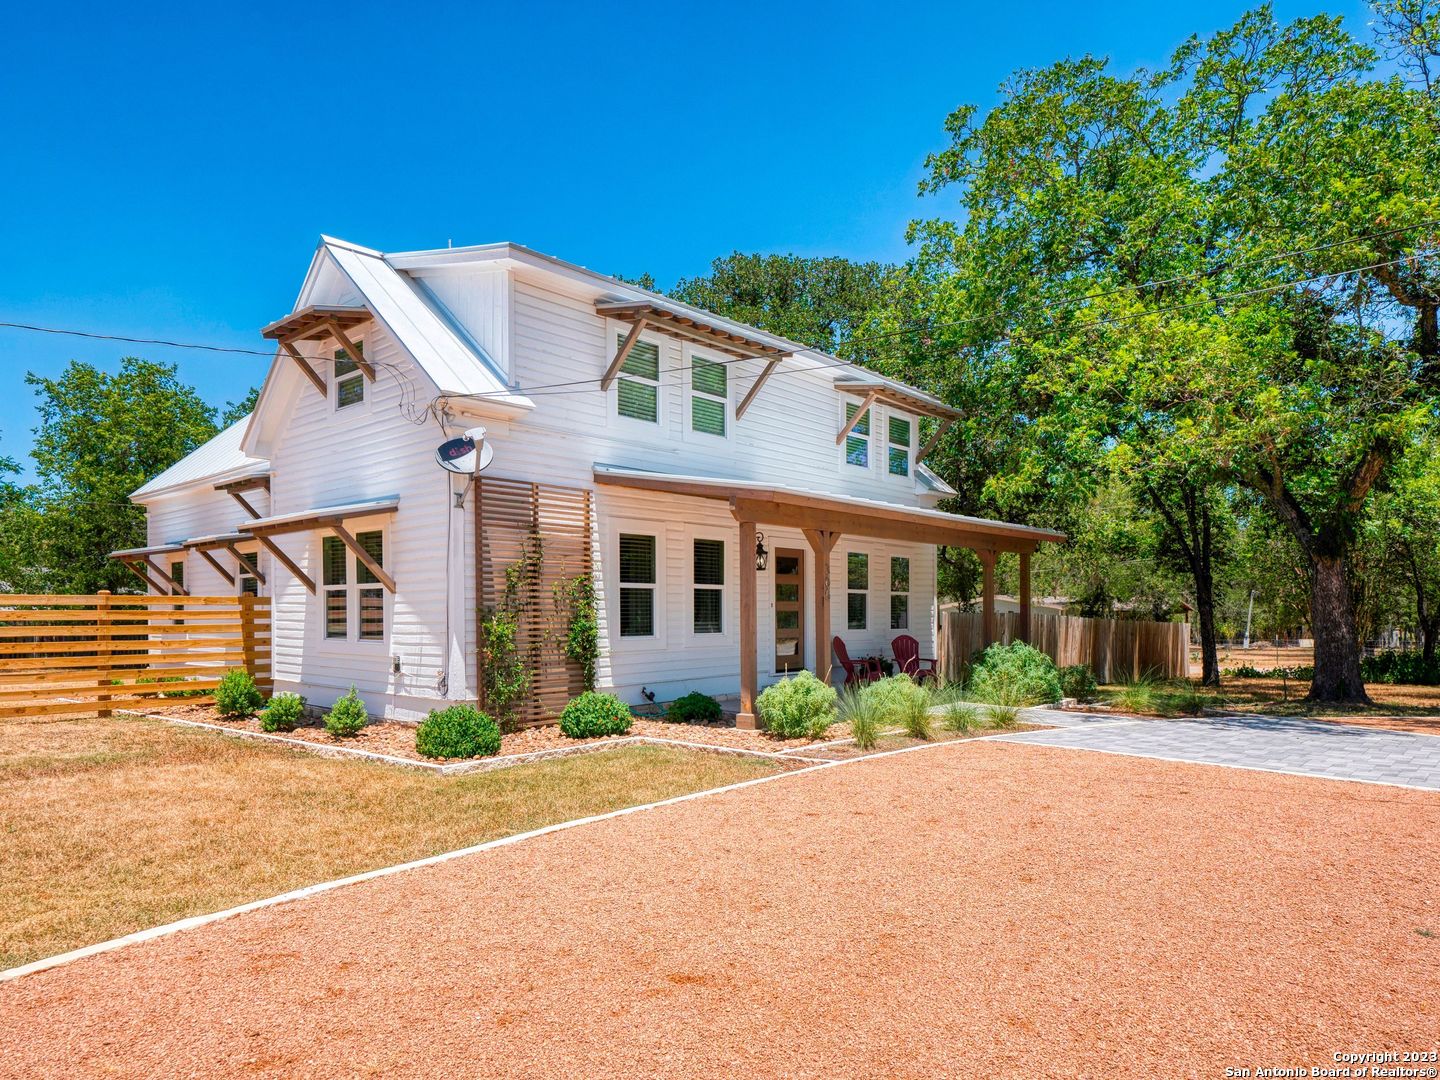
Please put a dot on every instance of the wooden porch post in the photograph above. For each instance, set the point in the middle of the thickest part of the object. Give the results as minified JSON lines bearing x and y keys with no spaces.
{"x":987,"y":599}
{"x":749,"y":673}
{"x":1025,"y":597}
{"x":822,"y":544}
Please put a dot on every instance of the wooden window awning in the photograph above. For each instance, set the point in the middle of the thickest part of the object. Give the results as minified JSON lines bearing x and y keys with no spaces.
{"x":319,"y":322}
{"x":911,"y":401}
{"x":237,"y":490}
{"x":770,"y":504}
{"x":331,"y":519}
{"x":138,"y":562}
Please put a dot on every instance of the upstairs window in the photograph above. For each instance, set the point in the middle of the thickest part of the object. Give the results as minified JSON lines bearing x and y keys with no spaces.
{"x":349,"y":380}
{"x":638,"y":387}
{"x":857,"y":443}
{"x":899,"y":593}
{"x":637,"y":585}
{"x":709,"y":395}
{"x":899,"y":446}
{"x":354,"y":599}
{"x":709,"y":586}
{"x":857,"y":582}
{"x":177,"y":573}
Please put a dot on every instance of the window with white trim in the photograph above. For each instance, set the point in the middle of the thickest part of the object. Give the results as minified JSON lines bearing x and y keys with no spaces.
{"x":353,"y":598}
{"x":709,"y":586}
{"x":709,"y":395}
{"x":857,"y":584}
{"x":246,"y":583}
{"x":637,"y":585}
{"x":899,"y":430}
{"x":857,"y":442}
{"x":637,"y":389}
{"x":177,"y":573}
{"x":349,"y":379}
{"x":899,"y":593}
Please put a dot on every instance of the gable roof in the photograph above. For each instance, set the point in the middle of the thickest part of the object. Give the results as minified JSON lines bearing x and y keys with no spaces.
{"x":221,"y":458}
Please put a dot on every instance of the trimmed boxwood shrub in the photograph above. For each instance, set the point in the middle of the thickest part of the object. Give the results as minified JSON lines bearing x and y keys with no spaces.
{"x":1014,"y":675}
{"x":284,"y":713}
{"x":694,"y":708}
{"x":895,"y":698}
{"x":1077,"y":681}
{"x":798,"y":707}
{"x":461,"y":731}
{"x":347,"y":716}
{"x":594,"y":715}
{"x":238,"y":696}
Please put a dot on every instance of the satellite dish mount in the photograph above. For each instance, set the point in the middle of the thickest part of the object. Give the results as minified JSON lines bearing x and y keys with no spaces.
{"x":469,"y":455}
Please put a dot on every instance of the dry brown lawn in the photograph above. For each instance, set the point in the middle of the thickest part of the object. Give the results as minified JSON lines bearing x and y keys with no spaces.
{"x":112,"y":826}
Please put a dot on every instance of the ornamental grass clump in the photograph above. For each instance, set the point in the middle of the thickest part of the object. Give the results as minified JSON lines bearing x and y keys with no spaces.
{"x":862,"y":716}
{"x":237,"y":696}
{"x":1014,"y":675}
{"x":347,"y":716}
{"x":798,"y":707}
{"x":694,"y":708}
{"x":895,"y":698}
{"x":916,"y":718}
{"x":1000,"y":716}
{"x":594,"y":715}
{"x":284,"y":713}
{"x":961,"y":717}
{"x":461,"y":731}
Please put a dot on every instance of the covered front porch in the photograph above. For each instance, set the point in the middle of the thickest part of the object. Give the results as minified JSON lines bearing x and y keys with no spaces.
{"x":823,"y":519}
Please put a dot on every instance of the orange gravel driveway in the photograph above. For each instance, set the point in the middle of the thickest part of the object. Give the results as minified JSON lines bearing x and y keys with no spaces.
{"x":967,"y":909}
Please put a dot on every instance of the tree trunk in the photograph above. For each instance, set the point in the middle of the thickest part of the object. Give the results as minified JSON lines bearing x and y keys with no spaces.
{"x":1428,"y":635}
{"x":1332,"y":621}
{"x":1205,"y":615}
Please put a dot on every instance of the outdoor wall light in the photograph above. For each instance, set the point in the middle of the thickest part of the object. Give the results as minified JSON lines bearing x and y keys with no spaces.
{"x":762,"y":557}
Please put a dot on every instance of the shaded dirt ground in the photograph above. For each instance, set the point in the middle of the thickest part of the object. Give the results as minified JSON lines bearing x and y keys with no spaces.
{"x":972,"y":908}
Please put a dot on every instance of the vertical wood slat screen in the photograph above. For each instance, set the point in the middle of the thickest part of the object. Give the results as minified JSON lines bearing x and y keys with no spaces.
{"x":71,"y":655}
{"x":1117,"y":650}
{"x":508,"y":513}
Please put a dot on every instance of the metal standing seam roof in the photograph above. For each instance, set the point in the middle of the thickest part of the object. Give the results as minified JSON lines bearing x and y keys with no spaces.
{"x":220,"y":456}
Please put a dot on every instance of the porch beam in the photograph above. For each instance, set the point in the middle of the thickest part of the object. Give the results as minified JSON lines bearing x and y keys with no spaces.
{"x":878,"y":526}
{"x":1024,"y":631}
{"x":936,"y":435}
{"x":350,"y":349}
{"x":219,"y":569}
{"x":860,"y":412}
{"x":310,"y":373}
{"x":987,"y":598}
{"x":289,"y":563}
{"x":622,"y":354}
{"x":822,"y":543}
{"x":749,"y":667}
{"x":760,"y":381}
{"x":252,"y":569}
{"x":364,"y":556}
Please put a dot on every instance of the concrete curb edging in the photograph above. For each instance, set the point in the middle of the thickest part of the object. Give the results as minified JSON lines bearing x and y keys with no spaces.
{"x":195,"y":922}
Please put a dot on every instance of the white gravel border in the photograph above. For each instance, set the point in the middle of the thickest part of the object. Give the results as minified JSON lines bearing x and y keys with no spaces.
{"x":197,"y":921}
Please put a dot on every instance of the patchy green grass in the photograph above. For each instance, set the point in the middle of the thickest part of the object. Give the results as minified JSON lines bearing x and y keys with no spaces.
{"x":112,"y":826}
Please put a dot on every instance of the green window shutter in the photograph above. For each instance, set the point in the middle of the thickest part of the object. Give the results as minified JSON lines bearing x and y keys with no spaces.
{"x":709,"y":377}
{"x":333,"y":561}
{"x":707,"y":415}
{"x":638,"y":401}
{"x":643,"y":361}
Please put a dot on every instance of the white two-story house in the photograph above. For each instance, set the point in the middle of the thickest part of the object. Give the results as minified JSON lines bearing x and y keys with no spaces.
{"x":738,"y":500}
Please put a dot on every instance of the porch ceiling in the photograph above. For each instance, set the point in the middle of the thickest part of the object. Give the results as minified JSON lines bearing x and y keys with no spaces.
{"x":771,"y":504}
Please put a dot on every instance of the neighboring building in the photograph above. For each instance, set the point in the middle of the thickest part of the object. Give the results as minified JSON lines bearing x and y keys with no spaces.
{"x":648,"y":443}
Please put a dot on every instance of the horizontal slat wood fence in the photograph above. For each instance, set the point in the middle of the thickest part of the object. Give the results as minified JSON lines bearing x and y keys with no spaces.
{"x":1117,"y":650}
{"x":65,"y":655}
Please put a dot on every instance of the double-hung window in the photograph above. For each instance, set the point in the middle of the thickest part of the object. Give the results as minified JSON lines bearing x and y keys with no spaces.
{"x":899,"y":431}
{"x":177,"y":573}
{"x":709,"y":395}
{"x":899,"y":593}
{"x":857,"y":584}
{"x":349,"y":380}
{"x":857,"y":443}
{"x":637,"y":390}
{"x":709,"y":586}
{"x":637,"y":585}
{"x":248,"y":584}
{"x":354,"y":599}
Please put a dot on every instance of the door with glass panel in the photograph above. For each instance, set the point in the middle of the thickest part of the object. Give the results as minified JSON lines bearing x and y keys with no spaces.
{"x":789,"y":609}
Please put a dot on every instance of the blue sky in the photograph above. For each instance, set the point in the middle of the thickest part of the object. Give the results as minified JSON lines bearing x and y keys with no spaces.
{"x":166,"y":171}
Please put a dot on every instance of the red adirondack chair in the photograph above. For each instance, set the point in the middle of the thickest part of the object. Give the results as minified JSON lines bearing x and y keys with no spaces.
{"x":855,"y":673}
{"x":907,"y":656}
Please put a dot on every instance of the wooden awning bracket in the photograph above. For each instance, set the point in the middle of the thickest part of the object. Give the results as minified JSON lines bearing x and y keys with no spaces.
{"x":289,"y":563}
{"x":622,"y":353}
{"x":935,"y":437}
{"x":129,"y":564}
{"x":859,"y":414}
{"x":363,"y":556}
{"x":219,"y":569}
{"x":310,"y":373}
{"x":245,"y":565}
{"x":245,"y":504}
{"x":351,"y":350}
{"x":760,"y":380}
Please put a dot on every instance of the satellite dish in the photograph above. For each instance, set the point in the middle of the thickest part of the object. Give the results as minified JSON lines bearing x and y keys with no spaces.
{"x":468,"y":454}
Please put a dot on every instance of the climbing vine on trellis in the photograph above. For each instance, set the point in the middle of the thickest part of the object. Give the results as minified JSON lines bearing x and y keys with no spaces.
{"x":575,"y":602}
{"x":508,"y":673}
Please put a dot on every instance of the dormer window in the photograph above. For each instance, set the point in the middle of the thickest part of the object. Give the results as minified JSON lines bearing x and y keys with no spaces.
{"x":900,"y":436}
{"x":349,"y":381}
{"x":638,"y":386}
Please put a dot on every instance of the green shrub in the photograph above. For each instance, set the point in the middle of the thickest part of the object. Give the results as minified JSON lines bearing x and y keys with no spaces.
{"x":1015,"y":675}
{"x":861,"y":714}
{"x":347,"y":716}
{"x":694,"y":708}
{"x":1139,"y":696}
{"x":792,"y":708}
{"x":947,"y":693}
{"x":1077,"y":681}
{"x":961,"y":717}
{"x":594,"y":715}
{"x":917,"y":719}
{"x":237,"y":695}
{"x":1409,"y":668}
{"x":284,"y":713}
{"x":461,"y":731}
{"x":1000,"y":716}
{"x":893,"y":698}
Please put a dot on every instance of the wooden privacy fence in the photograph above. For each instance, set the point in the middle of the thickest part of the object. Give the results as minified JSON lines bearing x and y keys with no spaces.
{"x":1117,"y":650}
{"x":62,"y":655}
